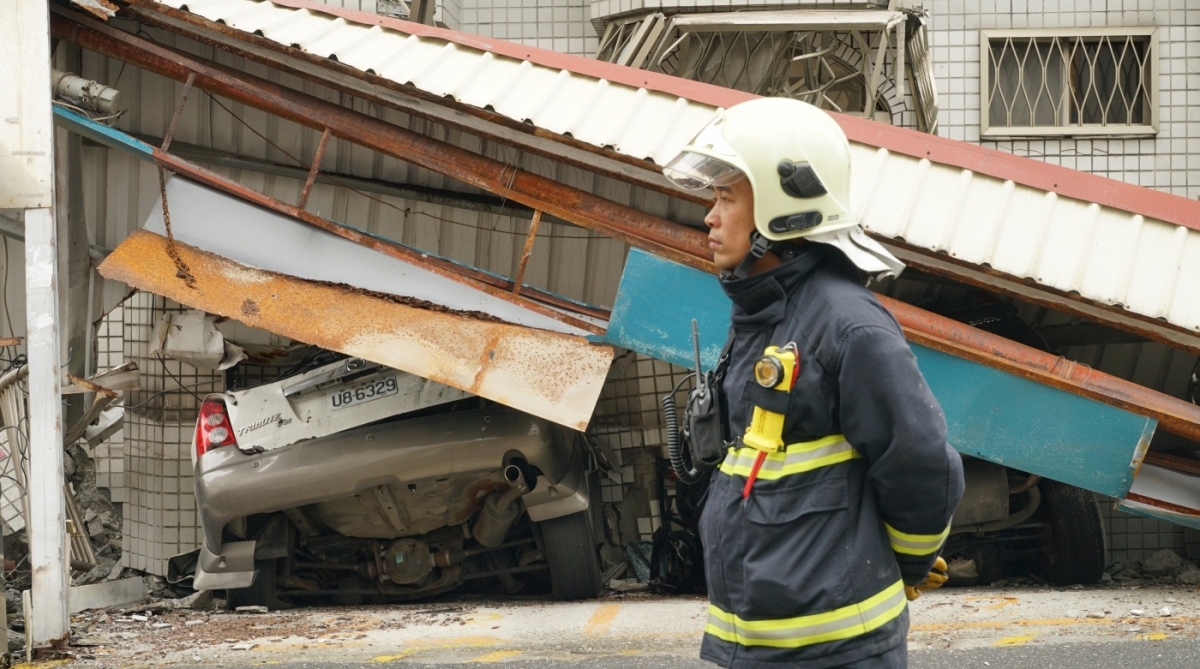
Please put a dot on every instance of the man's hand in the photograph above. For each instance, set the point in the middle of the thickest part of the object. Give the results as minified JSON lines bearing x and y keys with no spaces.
{"x":937,"y":576}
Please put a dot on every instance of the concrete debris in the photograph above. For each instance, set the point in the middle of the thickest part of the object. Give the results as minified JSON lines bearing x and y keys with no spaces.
{"x":244,"y":646}
{"x":1137,"y":612}
{"x":1096,"y":614}
{"x":1165,"y":562}
{"x":250,"y":609}
{"x":161,"y":626}
{"x":1074,"y":613}
{"x":198,"y":601}
{"x":1165,"y":612}
{"x":1135,"y":629}
{"x":1189,"y":576}
{"x":139,"y":618}
{"x":193,"y":623}
{"x":16,"y":641}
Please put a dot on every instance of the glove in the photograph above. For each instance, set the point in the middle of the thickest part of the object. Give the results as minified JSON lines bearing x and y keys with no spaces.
{"x":937,"y":576}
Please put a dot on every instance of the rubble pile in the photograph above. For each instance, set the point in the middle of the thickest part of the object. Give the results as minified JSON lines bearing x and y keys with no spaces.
{"x":1165,"y":566}
{"x":101,"y":519}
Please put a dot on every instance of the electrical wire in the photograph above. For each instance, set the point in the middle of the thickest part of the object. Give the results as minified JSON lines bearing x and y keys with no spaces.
{"x":587,"y":236}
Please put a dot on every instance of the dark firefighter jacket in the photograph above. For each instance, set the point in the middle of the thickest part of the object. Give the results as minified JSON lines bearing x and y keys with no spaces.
{"x":808,"y":571}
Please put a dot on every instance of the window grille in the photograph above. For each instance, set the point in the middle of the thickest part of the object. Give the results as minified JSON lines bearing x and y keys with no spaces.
{"x":834,"y":59}
{"x":1096,"y":82}
{"x":629,"y":41}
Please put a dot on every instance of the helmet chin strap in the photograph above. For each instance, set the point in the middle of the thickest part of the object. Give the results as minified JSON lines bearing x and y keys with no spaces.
{"x":759,"y":246}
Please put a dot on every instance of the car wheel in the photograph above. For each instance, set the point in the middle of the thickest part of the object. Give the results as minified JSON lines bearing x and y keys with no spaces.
{"x":261,"y":592}
{"x":571,"y":553}
{"x":1074,"y":545}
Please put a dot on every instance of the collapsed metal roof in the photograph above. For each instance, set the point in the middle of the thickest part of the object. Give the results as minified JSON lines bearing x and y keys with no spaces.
{"x":1102,"y":249}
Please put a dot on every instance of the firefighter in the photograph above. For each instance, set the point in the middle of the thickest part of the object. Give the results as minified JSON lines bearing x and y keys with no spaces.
{"x":834,"y":498}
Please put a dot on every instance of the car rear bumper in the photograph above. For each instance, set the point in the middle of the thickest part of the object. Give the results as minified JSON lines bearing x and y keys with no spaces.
{"x":231,"y":484}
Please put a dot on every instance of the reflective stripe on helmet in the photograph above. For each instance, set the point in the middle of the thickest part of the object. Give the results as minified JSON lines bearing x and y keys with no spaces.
{"x":793,"y":459}
{"x":844,"y":623}
{"x":916,"y":544}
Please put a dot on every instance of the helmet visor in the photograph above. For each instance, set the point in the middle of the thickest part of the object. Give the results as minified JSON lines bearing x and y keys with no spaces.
{"x":695,"y":171}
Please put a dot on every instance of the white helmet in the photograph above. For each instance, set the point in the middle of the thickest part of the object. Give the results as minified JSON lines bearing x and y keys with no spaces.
{"x":796,"y":157}
{"x":797,"y":160}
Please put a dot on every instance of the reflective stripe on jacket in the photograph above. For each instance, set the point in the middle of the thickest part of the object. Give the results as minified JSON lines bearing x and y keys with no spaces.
{"x":808,"y":570}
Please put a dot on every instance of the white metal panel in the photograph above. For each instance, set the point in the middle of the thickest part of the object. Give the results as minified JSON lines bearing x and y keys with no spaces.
{"x":1072,"y":246}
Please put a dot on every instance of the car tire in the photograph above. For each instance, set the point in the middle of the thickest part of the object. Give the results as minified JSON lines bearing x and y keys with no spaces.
{"x":570,"y":546}
{"x":261,"y":592}
{"x":1074,"y":545}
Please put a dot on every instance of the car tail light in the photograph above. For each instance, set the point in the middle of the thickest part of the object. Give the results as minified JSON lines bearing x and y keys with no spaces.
{"x":212,"y":428}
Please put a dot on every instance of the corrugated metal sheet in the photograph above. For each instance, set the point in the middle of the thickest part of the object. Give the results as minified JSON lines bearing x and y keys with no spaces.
{"x":1072,"y":246}
{"x":634,"y":121}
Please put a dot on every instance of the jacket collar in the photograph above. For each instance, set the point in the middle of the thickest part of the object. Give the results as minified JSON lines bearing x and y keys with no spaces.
{"x":761,"y":299}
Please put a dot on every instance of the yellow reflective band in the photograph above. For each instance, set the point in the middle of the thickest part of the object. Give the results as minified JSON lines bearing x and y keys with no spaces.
{"x":916,"y":544}
{"x":794,"y":459}
{"x":844,"y":623}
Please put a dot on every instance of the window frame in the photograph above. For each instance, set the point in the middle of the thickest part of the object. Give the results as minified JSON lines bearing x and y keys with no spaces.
{"x":985,"y":54}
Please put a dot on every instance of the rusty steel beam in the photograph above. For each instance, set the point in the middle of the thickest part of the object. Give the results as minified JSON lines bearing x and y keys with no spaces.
{"x":950,"y":336}
{"x":555,"y":376}
{"x":665,"y":238}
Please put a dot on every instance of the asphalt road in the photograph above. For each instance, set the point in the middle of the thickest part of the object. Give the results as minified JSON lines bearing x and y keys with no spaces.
{"x":1166,"y":654}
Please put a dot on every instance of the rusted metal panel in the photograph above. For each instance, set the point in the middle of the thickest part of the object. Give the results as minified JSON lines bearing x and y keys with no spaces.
{"x":555,"y":376}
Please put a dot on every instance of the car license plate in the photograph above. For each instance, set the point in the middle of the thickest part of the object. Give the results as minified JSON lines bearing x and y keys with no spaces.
{"x":364,"y":392}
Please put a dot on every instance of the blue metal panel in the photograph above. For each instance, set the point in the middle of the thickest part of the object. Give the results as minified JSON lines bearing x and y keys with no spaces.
{"x":110,"y":137}
{"x":991,"y":414}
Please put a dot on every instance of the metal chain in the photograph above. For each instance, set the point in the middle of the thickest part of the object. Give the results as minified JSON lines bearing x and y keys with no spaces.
{"x":181,"y":269}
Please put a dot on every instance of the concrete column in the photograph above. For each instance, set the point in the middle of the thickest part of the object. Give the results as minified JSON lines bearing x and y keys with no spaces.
{"x":46,"y":524}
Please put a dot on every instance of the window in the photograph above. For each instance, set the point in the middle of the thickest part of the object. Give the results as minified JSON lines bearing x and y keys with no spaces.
{"x":1078,"y":82}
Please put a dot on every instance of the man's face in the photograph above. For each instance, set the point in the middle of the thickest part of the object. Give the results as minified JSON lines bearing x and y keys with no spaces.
{"x":730,"y":223}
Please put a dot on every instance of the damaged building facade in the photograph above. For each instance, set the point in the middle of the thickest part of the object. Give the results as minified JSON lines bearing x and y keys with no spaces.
{"x":1102,"y":91}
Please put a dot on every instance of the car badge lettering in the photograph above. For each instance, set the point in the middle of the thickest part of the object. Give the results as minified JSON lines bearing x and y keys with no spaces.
{"x":277,"y":418}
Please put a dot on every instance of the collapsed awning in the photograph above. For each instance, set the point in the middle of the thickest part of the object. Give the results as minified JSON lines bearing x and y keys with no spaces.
{"x":1108,"y":251}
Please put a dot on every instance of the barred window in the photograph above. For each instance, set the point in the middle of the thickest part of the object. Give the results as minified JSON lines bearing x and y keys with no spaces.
{"x":1078,"y":82}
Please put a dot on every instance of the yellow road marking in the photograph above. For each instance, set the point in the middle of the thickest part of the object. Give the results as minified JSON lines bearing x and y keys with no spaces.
{"x":1156,"y":636}
{"x":496,"y":656}
{"x":1008,"y":601}
{"x":601,"y":619}
{"x":419,"y":646}
{"x":40,"y":665}
{"x":1015,"y":640}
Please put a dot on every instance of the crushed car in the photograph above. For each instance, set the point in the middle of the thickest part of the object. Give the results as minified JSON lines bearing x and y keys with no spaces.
{"x":363,"y":483}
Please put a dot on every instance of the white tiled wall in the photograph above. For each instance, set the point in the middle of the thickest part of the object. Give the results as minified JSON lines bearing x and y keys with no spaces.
{"x":560,"y":25}
{"x":1170,"y":161}
{"x":160,"y":513}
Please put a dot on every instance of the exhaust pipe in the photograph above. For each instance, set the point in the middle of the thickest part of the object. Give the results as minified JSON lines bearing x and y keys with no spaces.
{"x":500,"y":511}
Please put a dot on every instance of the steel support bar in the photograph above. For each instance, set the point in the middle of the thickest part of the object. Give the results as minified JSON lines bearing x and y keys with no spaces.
{"x":312,"y":171}
{"x":670,"y":240}
{"x":950,"y":336}
{"x":529,"y":239}
{"x":187,"y":88}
